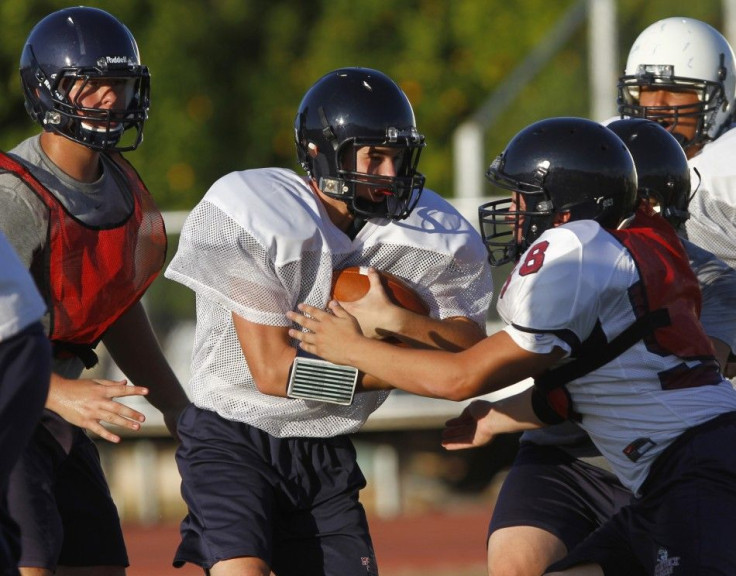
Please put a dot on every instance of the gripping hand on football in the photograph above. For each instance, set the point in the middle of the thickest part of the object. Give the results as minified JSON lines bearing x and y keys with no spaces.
{"x":331,"y":335}
{"x":376,"y":314}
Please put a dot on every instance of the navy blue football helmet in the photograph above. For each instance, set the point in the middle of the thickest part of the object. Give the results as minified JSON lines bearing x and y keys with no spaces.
{"x":348,"y":109}
{"x":570,"y":165}
{"x":72,"y":48}
{"x":661,"y":166}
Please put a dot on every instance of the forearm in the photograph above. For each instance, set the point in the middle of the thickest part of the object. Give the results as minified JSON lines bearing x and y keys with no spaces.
{"x":136,"y":351}
{"x":439,"y":374}
{"x":268,"y":352}
{"x":481,"y":421}
{"x":369,"y":383}
{"x":451,"y":334}
{"x":55,"y":400}
{"x":493,"y":363}
{"x":514,"y":414}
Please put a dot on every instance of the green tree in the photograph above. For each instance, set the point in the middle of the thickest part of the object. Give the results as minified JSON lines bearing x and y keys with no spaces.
{"x":228,"y":75}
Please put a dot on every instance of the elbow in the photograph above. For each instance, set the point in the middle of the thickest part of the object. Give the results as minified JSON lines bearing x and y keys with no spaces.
{"x":460,"y":394}
{"x":272,"y":383}
{"x":459,"y":389}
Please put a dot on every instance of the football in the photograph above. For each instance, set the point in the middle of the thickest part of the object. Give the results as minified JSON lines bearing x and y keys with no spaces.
{"x":350,"y":284}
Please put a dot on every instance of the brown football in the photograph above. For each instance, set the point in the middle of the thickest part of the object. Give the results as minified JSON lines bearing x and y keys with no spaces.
{"x":350,"y":284}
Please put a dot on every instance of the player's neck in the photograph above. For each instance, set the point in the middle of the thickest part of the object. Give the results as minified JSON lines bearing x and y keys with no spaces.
{"x":337,"y":210}
{"x":74,"y":159}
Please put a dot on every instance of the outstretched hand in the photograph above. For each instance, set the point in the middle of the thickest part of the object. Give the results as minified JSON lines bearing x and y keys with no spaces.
{"x":471,"y":429}
{"x":88,"y":403}
{"x":330,"y":333}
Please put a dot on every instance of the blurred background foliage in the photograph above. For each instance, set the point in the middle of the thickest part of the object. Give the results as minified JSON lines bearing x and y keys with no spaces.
{"x":228,"y":75}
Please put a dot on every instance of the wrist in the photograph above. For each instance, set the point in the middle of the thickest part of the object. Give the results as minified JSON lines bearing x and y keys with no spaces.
{"x":393,"y":324}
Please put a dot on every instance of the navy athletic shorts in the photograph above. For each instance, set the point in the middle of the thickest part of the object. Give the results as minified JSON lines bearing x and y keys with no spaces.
{"x":293,"y":502}
{"x":25,"y":369}
{"x":683,"y":523}
{"x":60,"y":498}
{"x":549,"y":489}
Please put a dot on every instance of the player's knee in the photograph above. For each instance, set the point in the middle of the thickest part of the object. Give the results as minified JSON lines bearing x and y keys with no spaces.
{"x":510,"y":566}
{"x":522,"y":551}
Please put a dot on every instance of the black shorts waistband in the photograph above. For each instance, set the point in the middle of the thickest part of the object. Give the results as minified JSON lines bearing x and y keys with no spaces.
{"x":721,"y":420}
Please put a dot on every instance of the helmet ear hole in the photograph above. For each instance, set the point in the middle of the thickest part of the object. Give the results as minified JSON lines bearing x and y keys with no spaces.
{"x":312,"y":149}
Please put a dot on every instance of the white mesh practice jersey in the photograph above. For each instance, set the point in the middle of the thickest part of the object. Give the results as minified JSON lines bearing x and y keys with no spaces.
{"x":260,"y":242}
{"x":20,"y":302}
{"x":575,"y":280}
{"x":712,"y":222}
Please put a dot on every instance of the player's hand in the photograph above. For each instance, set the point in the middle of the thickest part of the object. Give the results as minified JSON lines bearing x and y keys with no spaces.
{"x":331,"y":333}
{"x":375,"y":312}
{"x":89,"y":403}
{"x":471,"y":429}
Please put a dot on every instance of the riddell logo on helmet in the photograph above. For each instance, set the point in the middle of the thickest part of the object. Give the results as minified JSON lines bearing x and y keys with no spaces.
{"x":112,"y":60}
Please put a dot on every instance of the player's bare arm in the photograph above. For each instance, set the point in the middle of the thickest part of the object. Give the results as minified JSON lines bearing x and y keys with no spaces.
{"x":136,"y":351}
{"x":269,"y":354}
{"x":494,"y":363}
{"x":379,"y":317}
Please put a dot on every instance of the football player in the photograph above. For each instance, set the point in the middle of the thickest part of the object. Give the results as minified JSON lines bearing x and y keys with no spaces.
{"x":601,"y":311}
{"x":559,"y":489}
{"x":271,"y":481}
{"x":681,"y":73}
{"x":82,"y":221}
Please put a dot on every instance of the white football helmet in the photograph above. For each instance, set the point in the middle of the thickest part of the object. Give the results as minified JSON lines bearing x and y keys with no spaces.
{"x":681,"y":54}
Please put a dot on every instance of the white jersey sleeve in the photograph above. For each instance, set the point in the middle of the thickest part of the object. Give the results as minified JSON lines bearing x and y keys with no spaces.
{"x":712,"y":222}
{"x":543,"y":310}
{"x":718,"y":289}
{"x":250,"y":242}
{"x":20,"y":303}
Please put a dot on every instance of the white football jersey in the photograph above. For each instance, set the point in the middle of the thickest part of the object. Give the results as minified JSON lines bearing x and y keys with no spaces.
{"x":260,"y":242}
{"x":712,"y":222}
{"x":573,"y":281}
{"x":718,"y":316}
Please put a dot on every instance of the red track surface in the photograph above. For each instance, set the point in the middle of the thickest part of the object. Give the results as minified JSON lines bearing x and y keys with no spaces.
{"x":430,"y":544}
